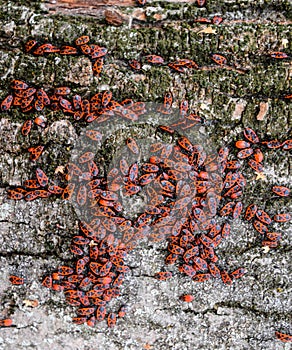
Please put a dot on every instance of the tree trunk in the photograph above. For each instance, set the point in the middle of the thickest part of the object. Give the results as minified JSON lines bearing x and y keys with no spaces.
{"x":249,"y":90}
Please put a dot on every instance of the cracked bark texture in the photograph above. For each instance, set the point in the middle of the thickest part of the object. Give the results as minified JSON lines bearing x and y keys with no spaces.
{"x":35,"y":236}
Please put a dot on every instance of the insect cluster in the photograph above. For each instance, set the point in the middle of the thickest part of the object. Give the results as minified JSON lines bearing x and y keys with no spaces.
{"x":186,"y":187}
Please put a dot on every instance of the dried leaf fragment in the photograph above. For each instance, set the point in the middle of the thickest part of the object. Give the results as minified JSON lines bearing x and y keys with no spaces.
{"x":31,"y":303}
{"x":208,"y":30}
{"x":264,"y":108}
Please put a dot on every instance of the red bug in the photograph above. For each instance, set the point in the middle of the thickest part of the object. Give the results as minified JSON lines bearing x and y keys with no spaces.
{"x":47,"y":282}
{"x":29,"y":45}
{"x":86,"y":50}
{"x":26,"y":103}
{"x":242,"y":144}
{"x":167,"y":102}
{"x":100,"y":313}
{"x":233,"y":164}
{"x":19,"y":85}
{"x":132,"y":145}
{"x":6,"y":322}
{"x":282,"y":217}
{"x":214,"y":270}
{"x":217,"y":20}
{"x":261,"y":228}
{"x":68,"y":50}
{"x":187,"y":269}
{"x":230,"y":179}
{"x":80,"y":265}
{"x":62,"y":90}
{"x":200,"y":263}
{"x":76,"y":99}
{"x":41,"y":177}
{"x":237,"y":210}
{"x":30,"y":196}
{"x":81,"y":195}
{"x":97,"y":66}
{"x":278,"y":55}
{"x":65,"y":104}
{"x":227,"y":209}
{"x":91,"y":321}
{"x":245,"y":153}
{"x":42,"y":193}
{"x":225,"y":277}
{"x":94,"y":135}
{"x":285,"y":338}
{"x":106,"y":97}
{"x":93,"y":168}
{"x":202,"y":277}
{"x":270,"y":244}
{"x":273,"y":236}
{"x":154,"y":59}
{"x":166,"y":129}
{"x":55,"y":189}
{"x":134,"y":64}
{"x":16,"y":194}
{"x":281,"y":191}
{"x":133,"y":172}
{"x":199,"y":214}
{"x":65,"y":270}
{"x":79,"y":320}
{"x":28,"y":92}
{"x":171,"y":258}
{"x":119,"y":280}
{"x":258,"y":155}
{"x":45,"y":48}
{"x":80,"y":240}
{"x":166,"y":185}
{"x":203,"y":20}
{"x":35,"y":152}
{"x":219,"y":59}
{"x":187,"y":63}
{"x":85,"y":311}
{"x":108,"y":195}
{"x":250,"y":135}
{"x":263,"y":217}
{"x":175,"y":66}
{"x":86,"y":157}
{"x":111,"y":319}
{"x":185,"y":144}
{"x":16,"y":280}
{"x":150,"y":168}
{"x":76,"y":250}
{"x":97,"y":51}
{"x":42,"y":96}
{"x":225,"y":232}
{"x":84,"y":39}
{"x":138,"y":107}
{"x":250,"y":212}
{"x":163,"y":275}
{"x":238,"y":273}
{"x":6,"y":103}
{"x":31,"y":184}
{"x":68,"y":191}
{"x":39,"y":106}
{"x":187,"y":298}
{"x":273,"y":144}
{"x":184,"y":105}
{"x":40,"y":121}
